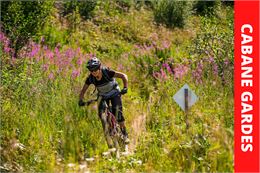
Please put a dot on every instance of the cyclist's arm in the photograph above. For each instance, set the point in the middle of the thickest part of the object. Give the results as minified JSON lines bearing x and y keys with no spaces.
{"x":123,"y":77}
{"x":83,"y":90}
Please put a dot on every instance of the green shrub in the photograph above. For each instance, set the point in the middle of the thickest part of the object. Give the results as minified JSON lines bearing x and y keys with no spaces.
{"x":124,"y":5}
{"x":85,"y":8}
{"x":143,"y":4}
{"x":171,"y":13}
{"x":214,"y":41}
{"x":228,"y":3}
{"x":21,"y":20}
{"x":206,"y":7}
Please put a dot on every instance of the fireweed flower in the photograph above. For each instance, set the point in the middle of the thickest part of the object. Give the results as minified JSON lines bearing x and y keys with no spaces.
{"x":166,"y":44}
{"x":156,"y":75}
{"x":57,"y":52}
{"x":147,"y":48}
{"x":79,"y":61}
{"x":120,"y":67}
{"x":6,"y":45}
{"x":69,"y":54}
{"x":45,"y":48}
{"x":200,"y":67}
{"x":7,"y":49}
{"x":196,"y":76}
{"x":45,"y":67}
{"x":5,"y":42}
{"x":180,"y":71}
{"x":215,"y":69}
{"x":136,"y":46}
{"x":142,"y":50}
{"x":197,"y":73}
{"x":51,"y":76}
{"x":35,"y":50}
{"x":78,"y":50}
{"x":2,"y":36}
{"x":226,"y":61}
{"x":163,"y":74}
{"x":75,"y":73}
{"x":167,"y":67}
{"x":49,"y":54}
{"x":91,"y":55}
{"x":211,"y":59}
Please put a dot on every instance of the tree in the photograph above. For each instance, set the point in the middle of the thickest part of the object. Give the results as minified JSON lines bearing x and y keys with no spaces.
{"x":172,"y":13}
{"x":85,"y":8}
{"x":21,"y":20}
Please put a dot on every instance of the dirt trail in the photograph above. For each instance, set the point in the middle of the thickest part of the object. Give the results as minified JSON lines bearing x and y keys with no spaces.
{"x":136,"y":133}
{"x":138,"y":128}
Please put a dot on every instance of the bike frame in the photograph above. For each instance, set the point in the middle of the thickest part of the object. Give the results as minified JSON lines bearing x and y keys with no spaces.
{"x":111,"y":128}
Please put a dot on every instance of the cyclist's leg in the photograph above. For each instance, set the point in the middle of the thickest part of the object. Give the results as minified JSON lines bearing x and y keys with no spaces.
{"x":102,"y":116}
{"x":101,"y":111}
{"x":117,"y":110}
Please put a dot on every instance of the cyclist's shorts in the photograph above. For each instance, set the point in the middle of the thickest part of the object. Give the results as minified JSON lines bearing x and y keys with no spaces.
{"x":117,"y":109}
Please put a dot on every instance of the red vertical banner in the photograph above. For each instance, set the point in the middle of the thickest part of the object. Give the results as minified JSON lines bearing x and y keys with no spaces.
{"x":247,"y":86}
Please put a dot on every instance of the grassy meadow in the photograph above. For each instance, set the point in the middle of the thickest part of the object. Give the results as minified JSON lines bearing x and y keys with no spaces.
{"x":44,"y":130}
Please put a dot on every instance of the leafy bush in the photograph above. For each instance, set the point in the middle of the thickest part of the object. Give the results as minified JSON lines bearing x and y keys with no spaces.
{"x":206,"y":7}
{"x":85,"y":8}
{"x":171,"y":13}
{"x":124,"y":5}
{"x":21,"y":20}
{"x":228,"y":3}
{"x":143,"y":4}
{"x":215,"y":42}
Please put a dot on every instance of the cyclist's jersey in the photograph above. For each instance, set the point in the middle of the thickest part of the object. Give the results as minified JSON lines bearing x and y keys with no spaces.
{"x":92,"y":80}
{"x":106,"y":86}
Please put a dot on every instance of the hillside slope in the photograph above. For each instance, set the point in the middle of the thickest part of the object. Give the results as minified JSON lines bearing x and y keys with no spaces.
{"x":43,"y":128}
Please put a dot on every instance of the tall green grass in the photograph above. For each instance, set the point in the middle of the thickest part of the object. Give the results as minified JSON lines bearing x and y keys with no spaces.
{"x":43,"y":129}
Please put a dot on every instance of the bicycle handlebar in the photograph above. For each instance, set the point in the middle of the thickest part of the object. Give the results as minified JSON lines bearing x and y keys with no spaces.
{"x":94,"y":100}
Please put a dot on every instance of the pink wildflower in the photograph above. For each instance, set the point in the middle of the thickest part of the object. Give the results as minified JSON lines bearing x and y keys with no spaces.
{"x":51,"y":76}
{"x":163,"y":74}
{"x":75,"y":73}
{"x":79,"y":61}
{"x":168,"y":68}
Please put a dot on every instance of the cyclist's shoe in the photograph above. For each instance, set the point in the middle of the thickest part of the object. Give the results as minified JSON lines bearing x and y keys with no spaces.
{"x":126,"y":139}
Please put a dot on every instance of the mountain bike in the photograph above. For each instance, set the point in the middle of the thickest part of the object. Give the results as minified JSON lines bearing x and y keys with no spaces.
{"x":112,"y":131}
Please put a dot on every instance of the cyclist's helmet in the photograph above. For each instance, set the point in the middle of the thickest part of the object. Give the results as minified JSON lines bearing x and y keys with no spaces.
{"x":93,"y":64}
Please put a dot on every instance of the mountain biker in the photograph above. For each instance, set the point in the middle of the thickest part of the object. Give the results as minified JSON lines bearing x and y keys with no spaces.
{"x":104,"y":80}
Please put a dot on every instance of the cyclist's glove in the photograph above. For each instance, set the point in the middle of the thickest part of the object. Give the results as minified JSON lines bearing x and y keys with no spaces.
{"x":124,"y":91}
{"x":81,"y":103}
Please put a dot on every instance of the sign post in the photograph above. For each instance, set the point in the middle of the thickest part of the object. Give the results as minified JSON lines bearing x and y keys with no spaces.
{"x":186,"y":106}
{"x":185,"y":98}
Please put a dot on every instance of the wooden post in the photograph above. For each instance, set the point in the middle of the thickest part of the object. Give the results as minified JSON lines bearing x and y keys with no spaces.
{"x":186,"y":99}
{"x":186,"y":96}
